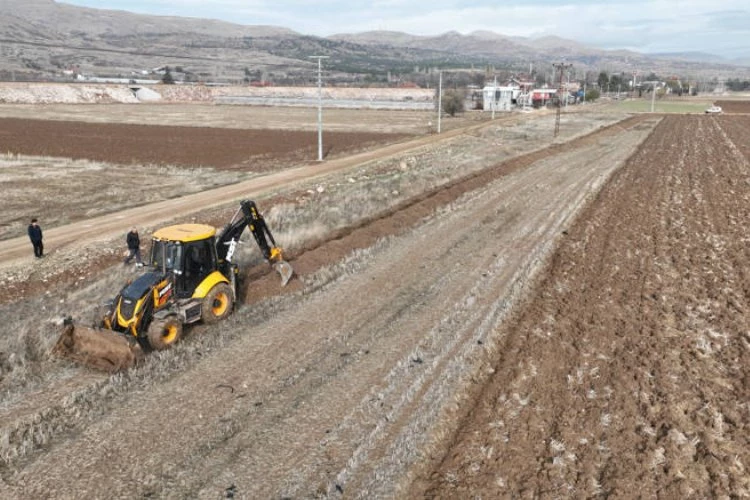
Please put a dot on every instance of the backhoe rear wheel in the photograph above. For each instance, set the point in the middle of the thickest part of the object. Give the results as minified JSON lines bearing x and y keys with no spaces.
{"x":217,"y":305}
{"x":162,"y":333}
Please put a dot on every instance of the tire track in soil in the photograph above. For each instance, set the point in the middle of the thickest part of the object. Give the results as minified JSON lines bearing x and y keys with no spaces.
{"x":404,"y":216}
{"x":263,"y":284}
{"x":372,"y":453}
{"x":402,"y":220}
{"x":628,"y":372}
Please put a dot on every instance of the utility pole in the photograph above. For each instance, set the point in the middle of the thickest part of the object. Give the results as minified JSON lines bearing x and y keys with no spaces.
{"x":653,"y":96}
{"x":494,"y":98}
{"x":320,"y":107}
{"x":440,"y":100}
{"x":561,"y":67}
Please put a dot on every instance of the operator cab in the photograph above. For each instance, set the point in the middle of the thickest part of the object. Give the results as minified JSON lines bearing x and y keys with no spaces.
{"x":187,"y":252}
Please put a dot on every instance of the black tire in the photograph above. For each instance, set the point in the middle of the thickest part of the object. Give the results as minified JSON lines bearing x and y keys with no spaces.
{"x":218,"y":304}
{"x":163,"y":333}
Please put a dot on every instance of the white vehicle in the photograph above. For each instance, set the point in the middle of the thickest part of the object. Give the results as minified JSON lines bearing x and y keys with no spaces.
{"x":714,"y":109}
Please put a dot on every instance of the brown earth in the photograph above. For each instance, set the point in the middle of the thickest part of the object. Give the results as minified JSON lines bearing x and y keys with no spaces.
{"x":350,"y":348}
{"x":88,"y":192}
{"x":352,"y":386}
{"x":734,"y":106}
{"x":627,"y":374}
{"x":190,"y":158}
{"x":246,"y":150}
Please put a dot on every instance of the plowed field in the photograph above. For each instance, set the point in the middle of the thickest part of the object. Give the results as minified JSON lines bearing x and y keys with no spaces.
{"x":569,"y":322}
{"x":628,"y":373}
{"x":734,"y":106}
{"x":247,"y":150}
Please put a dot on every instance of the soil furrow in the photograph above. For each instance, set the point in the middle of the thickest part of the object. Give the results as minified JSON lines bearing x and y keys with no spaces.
{"x":649,"y":393}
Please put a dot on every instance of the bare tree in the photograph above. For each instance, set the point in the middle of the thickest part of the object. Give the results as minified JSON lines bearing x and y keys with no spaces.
{"x":167,"y":78}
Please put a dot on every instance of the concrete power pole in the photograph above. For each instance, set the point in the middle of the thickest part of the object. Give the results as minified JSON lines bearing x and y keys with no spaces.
{"x":561,"y":67}
{"x":320,"y":107}
{"x":494,"y":98}
{"x":440,"y":100}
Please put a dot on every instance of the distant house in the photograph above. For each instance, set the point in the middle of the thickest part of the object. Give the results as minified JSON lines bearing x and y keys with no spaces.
{"x":524,"y":85}
{"x":499,"y":98}
{"x":540,"y":97}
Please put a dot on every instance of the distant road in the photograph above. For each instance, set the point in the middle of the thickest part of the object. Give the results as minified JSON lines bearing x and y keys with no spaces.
{"x":309,"y":102}
{"x":110,"y":225}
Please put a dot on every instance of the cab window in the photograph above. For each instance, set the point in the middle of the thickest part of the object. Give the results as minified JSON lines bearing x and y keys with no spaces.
{"x":166,"y":255}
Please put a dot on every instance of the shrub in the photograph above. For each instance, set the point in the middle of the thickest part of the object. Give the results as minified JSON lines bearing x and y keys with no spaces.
{"x":453,"y":102}
{"x":592,"y":95}
{"x":167,"y":78}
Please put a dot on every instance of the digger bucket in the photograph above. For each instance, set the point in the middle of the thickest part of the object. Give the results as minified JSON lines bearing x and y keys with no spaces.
{"x":97,"y":348}
{"x":285,"y":271}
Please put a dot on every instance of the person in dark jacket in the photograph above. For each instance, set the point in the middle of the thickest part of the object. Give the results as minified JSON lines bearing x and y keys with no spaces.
{"x":35,"y":235}
{"x":134,"y":247}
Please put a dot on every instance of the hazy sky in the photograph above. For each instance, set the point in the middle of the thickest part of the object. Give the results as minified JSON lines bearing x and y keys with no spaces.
{"x":721,"y":27}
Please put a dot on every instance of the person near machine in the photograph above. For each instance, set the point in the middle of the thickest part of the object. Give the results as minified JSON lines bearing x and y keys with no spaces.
{"x":134,"y":247}
{"x":35,"y":235}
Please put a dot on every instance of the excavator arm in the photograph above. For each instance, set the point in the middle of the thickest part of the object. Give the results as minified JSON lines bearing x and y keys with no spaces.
{"x":249,"y":217}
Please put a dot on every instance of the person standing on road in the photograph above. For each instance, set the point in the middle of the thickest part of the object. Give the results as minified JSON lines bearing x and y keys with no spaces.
{"x":134,"y":247}
{"x":35,"y":235}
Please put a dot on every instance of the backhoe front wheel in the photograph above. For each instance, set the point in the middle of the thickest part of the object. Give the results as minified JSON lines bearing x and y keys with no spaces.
{"x":217,"y":305}
{"x":162,"y":333}
{"x":102,"y":317}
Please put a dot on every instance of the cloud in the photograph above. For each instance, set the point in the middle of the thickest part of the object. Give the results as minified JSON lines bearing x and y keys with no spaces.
{"x":649,"y":26}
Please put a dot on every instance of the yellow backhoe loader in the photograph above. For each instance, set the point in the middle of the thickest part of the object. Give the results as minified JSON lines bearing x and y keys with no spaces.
{"x":189,"y":277}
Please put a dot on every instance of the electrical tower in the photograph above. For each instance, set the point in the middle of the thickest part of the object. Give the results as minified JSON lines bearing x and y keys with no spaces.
{"x":562,"y":67}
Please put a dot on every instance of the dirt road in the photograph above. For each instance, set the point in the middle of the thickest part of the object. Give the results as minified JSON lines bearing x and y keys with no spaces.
{"x":342,"y":389}
{"x":93,"y":228}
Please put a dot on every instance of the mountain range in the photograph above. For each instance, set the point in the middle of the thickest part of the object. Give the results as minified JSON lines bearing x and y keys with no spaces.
{"x":46,"y":40}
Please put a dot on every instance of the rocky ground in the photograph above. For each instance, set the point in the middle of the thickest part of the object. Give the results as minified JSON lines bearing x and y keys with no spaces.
{"x":414,"y":310}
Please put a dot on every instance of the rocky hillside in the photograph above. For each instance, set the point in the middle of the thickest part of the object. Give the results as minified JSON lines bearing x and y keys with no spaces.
{"x":43,"y":40}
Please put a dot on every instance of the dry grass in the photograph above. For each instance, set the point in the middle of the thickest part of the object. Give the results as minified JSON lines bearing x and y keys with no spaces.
{"x":30,"y":327}
{"x":30,"y":364}
{"x":241,"y":117}
{"x":25,"y":359}
{"x":60,"y":190}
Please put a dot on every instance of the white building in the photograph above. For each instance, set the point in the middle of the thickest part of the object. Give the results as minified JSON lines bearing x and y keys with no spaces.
{"x":499,"y":98}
